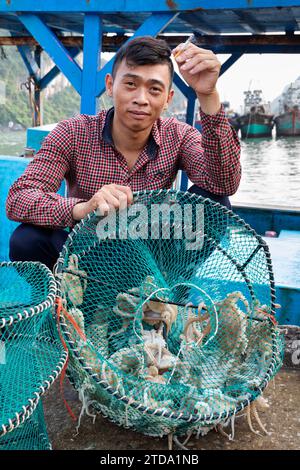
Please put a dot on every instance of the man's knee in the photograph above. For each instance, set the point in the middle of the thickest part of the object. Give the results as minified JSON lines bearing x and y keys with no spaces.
{"x":32,"y":243}
{"x":23,"y":243}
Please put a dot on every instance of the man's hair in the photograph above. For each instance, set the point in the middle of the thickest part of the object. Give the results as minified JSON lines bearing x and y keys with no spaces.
{"x":144,"y":50}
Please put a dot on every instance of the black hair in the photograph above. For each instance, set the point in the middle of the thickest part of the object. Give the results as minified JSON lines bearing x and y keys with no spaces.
{"x":144,"y":50}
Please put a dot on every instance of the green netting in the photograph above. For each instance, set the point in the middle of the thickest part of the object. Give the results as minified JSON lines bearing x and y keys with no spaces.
{"x":169,"y":313}
{"x":31,"y":353}
{"x":31,"y":435}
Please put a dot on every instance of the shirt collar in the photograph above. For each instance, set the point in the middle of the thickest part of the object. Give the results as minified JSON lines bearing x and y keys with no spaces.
{"x":153,"y":142}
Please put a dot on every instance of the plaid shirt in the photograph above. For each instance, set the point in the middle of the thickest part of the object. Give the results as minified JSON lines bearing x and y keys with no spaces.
{"x":81,"y":150}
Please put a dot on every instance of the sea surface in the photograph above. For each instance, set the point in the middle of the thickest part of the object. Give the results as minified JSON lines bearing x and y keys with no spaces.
{"x":271,"y":168}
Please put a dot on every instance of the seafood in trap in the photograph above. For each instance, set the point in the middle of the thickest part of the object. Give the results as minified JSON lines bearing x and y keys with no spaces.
{"x":214,"y":344}
{"x":74,"y":282}
{"x":157,"y":354}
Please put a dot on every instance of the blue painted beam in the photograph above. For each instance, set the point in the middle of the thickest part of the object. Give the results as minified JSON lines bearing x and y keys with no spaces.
{"x":249,"y":22}
{"x":28,"y":59}
{"x":90,"y":6}
{"x":187,"y":91}
{"x":92,"y":46}
{"x":152,"y":26}
{"x":190,"y":119}
{"x":37,"y":103}
{"x":229,"y":62}
{"x":49,"y":76}
{"x":191,"y":96}
{"x":190,"y":111}
{"x":58,"y":53}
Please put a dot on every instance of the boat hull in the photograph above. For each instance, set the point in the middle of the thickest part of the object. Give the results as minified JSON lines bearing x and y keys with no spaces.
{"x":288,"y":124}
{"x":256,"y":125}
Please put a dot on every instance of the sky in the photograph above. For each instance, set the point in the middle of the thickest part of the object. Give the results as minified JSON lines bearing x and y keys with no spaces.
{"x":268,"y":72}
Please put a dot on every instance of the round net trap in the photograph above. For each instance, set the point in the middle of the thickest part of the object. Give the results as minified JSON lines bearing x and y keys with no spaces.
{"x":168,"y":314}
{"x":31,"y":353}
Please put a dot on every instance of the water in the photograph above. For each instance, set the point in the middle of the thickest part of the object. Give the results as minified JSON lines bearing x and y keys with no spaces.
{"x":271,"y":172}
{"x":271,"y":168}
{"x":12,"y":142}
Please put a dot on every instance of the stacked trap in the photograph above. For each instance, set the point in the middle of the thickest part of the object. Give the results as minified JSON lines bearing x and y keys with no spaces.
{"x":168,"y":314}
{"x":31,"y":353}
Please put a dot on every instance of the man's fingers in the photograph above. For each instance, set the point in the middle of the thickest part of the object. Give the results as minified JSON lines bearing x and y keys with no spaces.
{"x":191,"y":63}
{"x":126,"y":190}
{"x":182,"y":53}
{"x":103,"y":207}
{"x":110,"y":198}
{"x":206,"y":64}
{"x":122,"y":198}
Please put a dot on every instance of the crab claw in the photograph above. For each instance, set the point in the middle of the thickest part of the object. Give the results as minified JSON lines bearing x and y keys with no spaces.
{"x":152,"y":318}
{"x":155,"y":312}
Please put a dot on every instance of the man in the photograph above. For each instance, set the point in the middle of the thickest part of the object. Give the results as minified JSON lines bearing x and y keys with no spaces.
{"x":127,"y":148}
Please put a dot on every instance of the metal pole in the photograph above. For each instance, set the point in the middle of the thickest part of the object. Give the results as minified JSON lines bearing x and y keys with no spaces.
{"x":38,"y":111}
{"x":92,"y":46}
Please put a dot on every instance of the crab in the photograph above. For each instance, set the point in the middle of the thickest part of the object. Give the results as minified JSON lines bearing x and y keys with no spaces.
{"x":155,"y":312}
{"x":126,"y":306}
{"x":90,"y":359}
{"x":263,"y":311}
{"x":97,"y":334}
{"x":75,"y":324}
{"x":112,"y":378}
{"x":156,"y":351}
{"x":128,"y":360}
{"x":152,"y":374}
{"x":232,"y":324}
{"x":191,"y":334}
{"x":74,"y":282}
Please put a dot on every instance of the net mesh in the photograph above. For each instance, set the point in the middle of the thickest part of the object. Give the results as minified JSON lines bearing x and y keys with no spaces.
{"x":168,"y":313}
{"x":30,"y":435}
{"x":31,"y":353}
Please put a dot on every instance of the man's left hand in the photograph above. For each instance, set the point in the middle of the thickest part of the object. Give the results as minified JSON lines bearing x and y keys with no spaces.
{"x":200,"y":68}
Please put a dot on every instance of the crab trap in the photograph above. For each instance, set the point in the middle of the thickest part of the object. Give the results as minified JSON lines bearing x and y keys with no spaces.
{"x":168,"y":314}
{"x":31,"y":353}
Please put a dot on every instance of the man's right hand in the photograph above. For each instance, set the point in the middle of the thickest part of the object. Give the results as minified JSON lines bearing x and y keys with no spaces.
{"x":109,"y":197}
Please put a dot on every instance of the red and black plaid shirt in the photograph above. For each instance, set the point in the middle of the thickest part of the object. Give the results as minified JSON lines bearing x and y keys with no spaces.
{"x":81,"y":150}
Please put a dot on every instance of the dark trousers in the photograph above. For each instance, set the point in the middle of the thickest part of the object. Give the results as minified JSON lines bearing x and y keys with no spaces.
{"x":34,"y":243}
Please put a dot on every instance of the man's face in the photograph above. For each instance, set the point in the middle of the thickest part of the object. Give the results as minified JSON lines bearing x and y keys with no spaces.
{"x":140,"y":94}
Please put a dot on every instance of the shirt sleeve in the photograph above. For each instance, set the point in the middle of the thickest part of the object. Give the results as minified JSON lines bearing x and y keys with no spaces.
{"x":33,"y":197}
{"x":212,"y":159}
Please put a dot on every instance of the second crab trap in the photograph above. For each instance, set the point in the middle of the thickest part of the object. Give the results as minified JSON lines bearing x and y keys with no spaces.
{"x":169,"y":335}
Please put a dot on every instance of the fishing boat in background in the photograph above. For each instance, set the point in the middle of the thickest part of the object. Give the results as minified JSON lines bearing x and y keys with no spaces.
{"x":231,"y":115}
{"x":257,"y":120}
{"x":287,"y":123}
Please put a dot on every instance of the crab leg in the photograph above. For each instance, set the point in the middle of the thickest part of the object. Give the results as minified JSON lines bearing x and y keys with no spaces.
{"x":181,"y":446}
{"x":256,"y":415}
{"x":249,"y":419}
{"x":170,"y":441}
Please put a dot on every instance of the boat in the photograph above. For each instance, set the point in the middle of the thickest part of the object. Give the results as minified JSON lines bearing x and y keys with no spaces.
{"x":287,"y":123}
{"x":256,"y":121}
{"x":231,"y":115}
